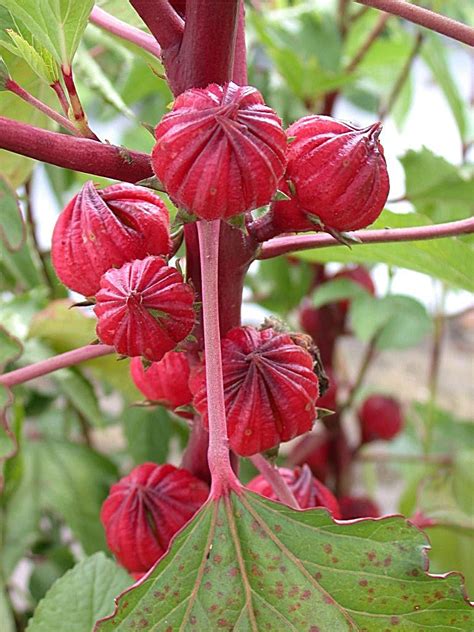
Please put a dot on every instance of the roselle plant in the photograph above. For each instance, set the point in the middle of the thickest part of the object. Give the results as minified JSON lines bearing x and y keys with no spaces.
{"x":145,"y":438}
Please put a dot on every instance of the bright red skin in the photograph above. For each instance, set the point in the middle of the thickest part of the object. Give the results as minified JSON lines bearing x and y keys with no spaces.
{"x":353,"y":507}
{"x":380,"y":418}
{"x":125,"y":305}
{"x":220,"y":151}
{"x":145,"y":509}
{"x":338,"y":172}
{"x":164,"y":382}
{"x":103,"y":229}
{"x":270,"y":389}
{"x":308,"y":491}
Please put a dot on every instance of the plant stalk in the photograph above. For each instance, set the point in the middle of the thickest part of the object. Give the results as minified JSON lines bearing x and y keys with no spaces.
{"x":125,"y":31}
{"x":70,"y":358}
{"x":294,"y":243}
{"x":276,"y":480}
{"x":223,"y":477}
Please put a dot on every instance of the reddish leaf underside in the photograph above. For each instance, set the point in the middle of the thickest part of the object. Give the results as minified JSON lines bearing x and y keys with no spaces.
{"x":246,"y":563}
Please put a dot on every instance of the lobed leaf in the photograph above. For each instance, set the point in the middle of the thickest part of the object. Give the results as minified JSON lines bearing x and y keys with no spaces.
{"x":246,"y":563}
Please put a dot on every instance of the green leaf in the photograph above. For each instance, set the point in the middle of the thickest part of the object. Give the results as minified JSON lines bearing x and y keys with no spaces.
{"x":444,"y":193}
{"x":81,"y":596}
{"x":64,"y":329}
{"x":81,"y":394}
{"x":12,"y":226}
{"x":75,"y":482}
{"x":464,"y":480}
{"x":245,"y":563}
{"x":398,"y":322}
{"x":6,"y":614}
{"x":4,"y":74}
{"x":57,"y":24}
{"x":149,"y":432}
{"x":95,"y":78}
{"x":336,"y":290}
{"x":37,"y":57}
{"x":10,"y":347}
{"x":434,"y":55}
{"x":448,"y":259}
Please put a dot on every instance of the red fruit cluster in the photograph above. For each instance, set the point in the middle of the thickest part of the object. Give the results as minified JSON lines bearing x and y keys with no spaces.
{"x":102,"y":229}
{"x":164,"y":382}
{"x":144,"y":308}
{"x":145,"y":509}
{"x":308,"y":491}
{"x":270,"y":389}
{"x":380,"y":417}
{"x":220,"y":152}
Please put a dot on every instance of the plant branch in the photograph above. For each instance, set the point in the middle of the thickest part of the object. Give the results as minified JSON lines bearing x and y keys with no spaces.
{"x":362,"y":372}
{"x":276,"y":480}
{"x":403,"y":76}
{"x":27,"y":373}
{"x":125,"y":31}
{"x":163,"y":21}
{"x":223,"y":477}
{"x":30,"y":217}
{"x":79,"y":154}
{"x":76,"y":106}
{"x":294,"y":243}
{"x":211,"y":21}
{"x":424,"y":17}
{"x":13,"y":87}
{"x":371,"y":39}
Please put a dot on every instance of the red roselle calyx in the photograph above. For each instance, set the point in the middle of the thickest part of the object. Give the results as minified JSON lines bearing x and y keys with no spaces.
{"x":144,"y":308}
{"x":308,"y":491}
{"x":337,"y":179}
{"x":102,"y":229}
{"x":220,"y":151}
{"x":165,"y":382}
{"x":270,"y":389}
{"x":145,"y":509}
{"x":379,"y":417}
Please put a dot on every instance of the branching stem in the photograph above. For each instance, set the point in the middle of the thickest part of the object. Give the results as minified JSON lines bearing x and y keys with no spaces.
{"x":70,"y":358}
{"x":294,"y":243}
{"x":125,"y":31}
{"x":424,"y":17}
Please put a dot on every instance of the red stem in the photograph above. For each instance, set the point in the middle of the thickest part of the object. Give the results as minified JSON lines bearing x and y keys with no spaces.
{"x":162,"y":20}
{"x":13,"y":87}
{"x":55,"y":363}
{"x":424,"y":17}
{"x":294,"y":243}
{"x":79,"y":154}
{"x":223,"y":477}
{"x":276,"y":480}
{"x":125,"y":31}
{"x":76,"y":106}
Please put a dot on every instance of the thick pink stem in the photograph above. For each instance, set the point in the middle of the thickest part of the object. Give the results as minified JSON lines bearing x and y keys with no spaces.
{"x":223,"y":477}
{"x":55,"y":363}
{"x":123,"y":30}
{"x":78,"y":154}
{"x":294,"y":243}
{"x":424,"y":17}
{"x":162,"y":20}
{"x":276,"y":480}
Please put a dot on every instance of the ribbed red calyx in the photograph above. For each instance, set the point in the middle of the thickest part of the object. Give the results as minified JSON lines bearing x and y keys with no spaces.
{"x":220,"y":152}
{"x":308,"y":491}
{"x":102,"y":229}
{"x":379,"y":417}
{"x":144,"y":308}
{"x":145,"y":509}
{"x":164,"y":382}
{"x":338,"y":172}
{"x":353,"y":507}
{"x":270,"y":389}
